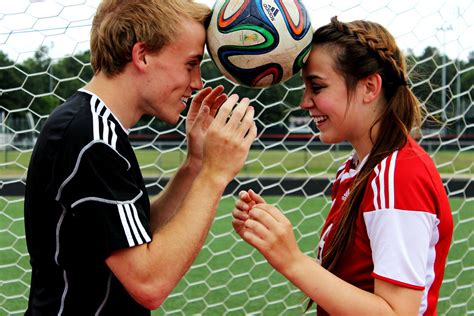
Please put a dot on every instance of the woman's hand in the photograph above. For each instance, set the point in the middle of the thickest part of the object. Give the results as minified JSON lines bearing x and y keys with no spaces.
{"x":243,"y":205}
{"x":268,"y":230}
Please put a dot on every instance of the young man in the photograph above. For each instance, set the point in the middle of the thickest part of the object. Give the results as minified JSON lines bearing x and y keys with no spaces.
{"x":97,"y":245}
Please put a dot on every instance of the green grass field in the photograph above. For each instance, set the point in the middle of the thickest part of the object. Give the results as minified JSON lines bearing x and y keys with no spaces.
{"x":229,"y":277}
{"x":267,"y":162}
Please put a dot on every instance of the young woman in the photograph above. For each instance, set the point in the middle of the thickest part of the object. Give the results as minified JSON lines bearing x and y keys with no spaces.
{"x":384,"y":245}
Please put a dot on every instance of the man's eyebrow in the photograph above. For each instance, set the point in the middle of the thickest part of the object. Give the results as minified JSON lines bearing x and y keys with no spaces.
{"x":199,"y":57}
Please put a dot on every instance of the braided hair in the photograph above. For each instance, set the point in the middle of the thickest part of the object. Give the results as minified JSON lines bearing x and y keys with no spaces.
{"x":359,"y":49}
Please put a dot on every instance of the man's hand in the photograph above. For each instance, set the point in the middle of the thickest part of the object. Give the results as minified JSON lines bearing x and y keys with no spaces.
{"x":228,"y":140}
{"x":196,"y":127}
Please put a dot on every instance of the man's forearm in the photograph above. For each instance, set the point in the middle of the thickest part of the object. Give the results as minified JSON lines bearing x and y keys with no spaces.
{"x":167,"y":202}
{"x":152,"y":270}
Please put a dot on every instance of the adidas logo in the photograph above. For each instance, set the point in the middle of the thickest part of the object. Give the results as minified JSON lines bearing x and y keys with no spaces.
{"x":346,"y":195}
{"x":271,"y":10}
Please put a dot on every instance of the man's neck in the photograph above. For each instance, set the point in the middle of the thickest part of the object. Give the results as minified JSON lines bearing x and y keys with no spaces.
{"x":119,"y":97}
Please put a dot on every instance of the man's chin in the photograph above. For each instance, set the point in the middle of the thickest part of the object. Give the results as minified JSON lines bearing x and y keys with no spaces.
{"x":169,"y":120}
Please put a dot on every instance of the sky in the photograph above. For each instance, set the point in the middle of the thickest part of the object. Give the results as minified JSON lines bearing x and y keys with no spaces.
{"x":64,"y":25}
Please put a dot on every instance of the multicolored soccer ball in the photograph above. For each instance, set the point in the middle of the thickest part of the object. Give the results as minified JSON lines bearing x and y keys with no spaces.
{"x":259,"y":43}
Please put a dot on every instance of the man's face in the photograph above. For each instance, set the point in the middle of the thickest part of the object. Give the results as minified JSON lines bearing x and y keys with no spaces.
{"x":173,"y":73}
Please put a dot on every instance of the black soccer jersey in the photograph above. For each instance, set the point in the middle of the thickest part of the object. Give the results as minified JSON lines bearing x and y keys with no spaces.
{"x":85,"y":197}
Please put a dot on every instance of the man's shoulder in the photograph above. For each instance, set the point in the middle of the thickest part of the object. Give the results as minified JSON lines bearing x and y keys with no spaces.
{"x":71,"y":105}
{"x":73,"y":113}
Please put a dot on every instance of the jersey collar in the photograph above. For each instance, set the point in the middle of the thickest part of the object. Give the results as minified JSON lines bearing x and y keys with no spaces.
{"x":126,"y":130}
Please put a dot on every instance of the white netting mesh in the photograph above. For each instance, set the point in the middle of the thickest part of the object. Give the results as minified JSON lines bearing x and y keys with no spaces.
{"x":44,"y":58}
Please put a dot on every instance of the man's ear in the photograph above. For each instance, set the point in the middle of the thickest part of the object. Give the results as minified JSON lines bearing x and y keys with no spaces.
{"x":372,"y":86}
{"x":139,"y":55}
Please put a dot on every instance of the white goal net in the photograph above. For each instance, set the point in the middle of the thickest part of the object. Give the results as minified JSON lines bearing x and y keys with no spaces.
{"x":44,"y":58}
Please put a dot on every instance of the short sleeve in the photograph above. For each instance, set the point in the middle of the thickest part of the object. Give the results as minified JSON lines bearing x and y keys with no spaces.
{"x":402,"y":244}
{"x":104,"y":198}
{"x":401,"y":221}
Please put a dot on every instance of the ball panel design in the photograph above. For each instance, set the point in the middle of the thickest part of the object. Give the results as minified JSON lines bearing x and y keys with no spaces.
{"x":299,"y":29}
{"x":231,"y":12}
{"x":259,"y":43}
{"x":301,"y":59}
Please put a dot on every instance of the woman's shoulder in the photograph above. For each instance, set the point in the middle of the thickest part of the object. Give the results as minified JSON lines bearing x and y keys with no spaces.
{"x":413,"y":160}
{"x":408,"y":179}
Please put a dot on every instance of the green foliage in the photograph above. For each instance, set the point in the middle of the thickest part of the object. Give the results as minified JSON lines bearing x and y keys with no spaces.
{"x":53,"y":81}
{"x":39,"y":84}
{"x":426,"y":74}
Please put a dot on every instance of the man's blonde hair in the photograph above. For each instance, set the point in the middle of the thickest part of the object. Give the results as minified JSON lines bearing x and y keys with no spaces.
{"x":119,"y":24}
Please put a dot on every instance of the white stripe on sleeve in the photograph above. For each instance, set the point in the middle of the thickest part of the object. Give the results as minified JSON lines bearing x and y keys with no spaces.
{"x":125,"y":226}
{"x":139,"y":224}
{"x":131,"y":220}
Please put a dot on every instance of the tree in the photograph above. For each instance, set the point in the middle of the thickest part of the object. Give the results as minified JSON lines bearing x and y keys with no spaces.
{"x":39,"y":84}
{"x":11,"y":80}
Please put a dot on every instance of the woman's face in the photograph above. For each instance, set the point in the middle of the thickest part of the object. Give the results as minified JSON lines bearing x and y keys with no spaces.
{"x":326,"y":99}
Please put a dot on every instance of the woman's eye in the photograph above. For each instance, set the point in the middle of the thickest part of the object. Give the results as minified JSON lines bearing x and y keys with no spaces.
{"x":316,"y":87}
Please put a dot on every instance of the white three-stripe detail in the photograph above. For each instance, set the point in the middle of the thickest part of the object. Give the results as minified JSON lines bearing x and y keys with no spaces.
{"x":107,"y":126}
{"x":132,"y":224}
{"x":378,"y":183}
{"x":139,"y":224}
{"x":131,"y":221}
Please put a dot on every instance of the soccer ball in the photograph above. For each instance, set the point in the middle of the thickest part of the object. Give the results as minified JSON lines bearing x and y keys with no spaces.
{"x":259,"y":43}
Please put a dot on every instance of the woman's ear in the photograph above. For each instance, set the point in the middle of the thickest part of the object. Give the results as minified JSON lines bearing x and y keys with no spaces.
{"x":139,"y":54}
{"x":372,"y":86}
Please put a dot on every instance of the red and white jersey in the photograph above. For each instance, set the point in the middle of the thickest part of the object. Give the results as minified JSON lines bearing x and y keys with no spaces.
{"x":404,"y":227}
